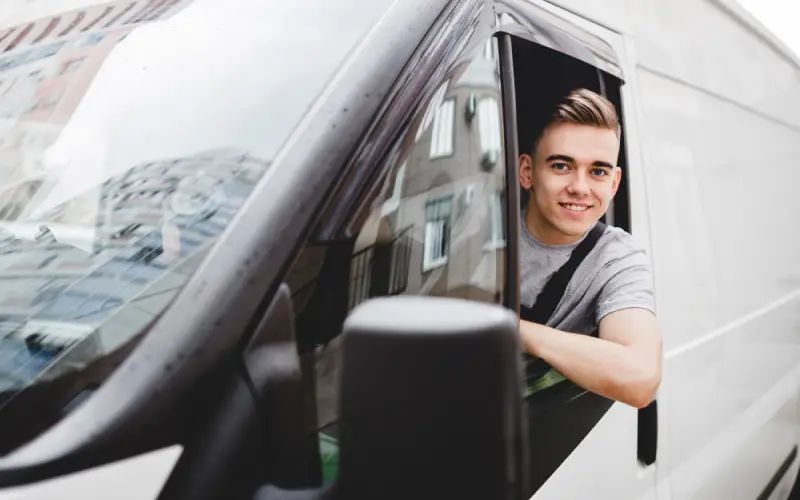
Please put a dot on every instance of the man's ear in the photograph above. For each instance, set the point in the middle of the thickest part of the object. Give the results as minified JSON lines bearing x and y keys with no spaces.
{"x":525,"y":171}
{"x":617,"y":179}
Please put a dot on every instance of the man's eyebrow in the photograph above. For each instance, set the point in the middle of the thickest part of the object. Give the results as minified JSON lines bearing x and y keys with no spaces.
{"x":569,"y":159}
{"x":565,"y":158}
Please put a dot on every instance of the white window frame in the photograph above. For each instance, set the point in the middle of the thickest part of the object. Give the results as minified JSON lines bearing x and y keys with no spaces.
{"x":72,"y":65}
{"x":443,"y":130}
{"x":393,"y":203}
{"x":430,"y":111}
{"x":496,"y":238}
{"x":489,"y":130}
{"x":436,"y":243}
{"x":490,"y":49}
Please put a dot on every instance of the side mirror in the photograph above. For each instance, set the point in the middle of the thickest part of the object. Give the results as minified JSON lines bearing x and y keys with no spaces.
{"x":431,"y":403}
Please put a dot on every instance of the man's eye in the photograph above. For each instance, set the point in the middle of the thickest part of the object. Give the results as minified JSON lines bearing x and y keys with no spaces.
{"x":560,"y":166}
{"x":599,"y":171}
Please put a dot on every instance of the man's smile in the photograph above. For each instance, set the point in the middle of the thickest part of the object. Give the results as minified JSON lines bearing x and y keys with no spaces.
{"x":576,"y":207}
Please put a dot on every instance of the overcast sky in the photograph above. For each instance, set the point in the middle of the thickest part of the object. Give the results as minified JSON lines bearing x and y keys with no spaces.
{"x":780,"y":16}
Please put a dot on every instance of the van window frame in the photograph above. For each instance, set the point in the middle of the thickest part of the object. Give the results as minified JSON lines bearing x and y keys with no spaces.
{"x":512,"y":202}
{"x":593,"y":407}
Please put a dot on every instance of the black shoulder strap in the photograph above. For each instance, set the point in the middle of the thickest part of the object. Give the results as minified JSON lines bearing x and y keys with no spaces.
{"x":550,"y":296}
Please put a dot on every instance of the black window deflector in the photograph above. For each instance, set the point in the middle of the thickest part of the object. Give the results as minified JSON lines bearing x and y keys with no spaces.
{"x":512,"y":288}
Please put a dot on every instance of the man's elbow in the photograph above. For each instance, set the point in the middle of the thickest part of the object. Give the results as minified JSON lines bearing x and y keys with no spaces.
{"x":640,"y":389}
{"x":645,"y":387}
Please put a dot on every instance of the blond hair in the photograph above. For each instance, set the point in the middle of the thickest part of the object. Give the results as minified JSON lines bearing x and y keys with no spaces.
{"x":583,"y":107}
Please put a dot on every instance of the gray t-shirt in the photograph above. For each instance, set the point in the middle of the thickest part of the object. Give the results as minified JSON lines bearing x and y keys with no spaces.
{"x":615,"y":275}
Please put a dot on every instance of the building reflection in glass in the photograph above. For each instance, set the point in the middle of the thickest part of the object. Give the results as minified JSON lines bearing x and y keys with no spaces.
{"x":62,"y":306}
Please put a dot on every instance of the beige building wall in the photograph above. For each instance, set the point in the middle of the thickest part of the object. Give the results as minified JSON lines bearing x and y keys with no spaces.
{"x":474,"y":266}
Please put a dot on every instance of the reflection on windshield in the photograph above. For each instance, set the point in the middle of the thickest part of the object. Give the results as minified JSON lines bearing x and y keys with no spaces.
{"x":67,"y":270}
{"x":46,"y":67}
{"x":133,"y":243}
{"x":141,"y":229}
{"x":131,"y":132}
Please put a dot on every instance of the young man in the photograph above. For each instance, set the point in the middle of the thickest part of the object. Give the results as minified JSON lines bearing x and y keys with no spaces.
{"x":571,"y":177}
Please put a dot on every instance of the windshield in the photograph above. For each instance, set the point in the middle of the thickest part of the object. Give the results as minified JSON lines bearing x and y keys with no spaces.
{"x":131,"y":133}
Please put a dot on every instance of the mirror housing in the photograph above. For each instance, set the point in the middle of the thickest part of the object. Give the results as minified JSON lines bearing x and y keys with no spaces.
{"x":431,"y":403}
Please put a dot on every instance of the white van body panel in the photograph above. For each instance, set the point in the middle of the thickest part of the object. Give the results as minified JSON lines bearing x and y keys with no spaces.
{"x":718,"y":124}
{"x":604,"y":462}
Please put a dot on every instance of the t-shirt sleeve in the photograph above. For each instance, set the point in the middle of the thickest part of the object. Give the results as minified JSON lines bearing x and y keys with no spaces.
{"x":628,"y":284}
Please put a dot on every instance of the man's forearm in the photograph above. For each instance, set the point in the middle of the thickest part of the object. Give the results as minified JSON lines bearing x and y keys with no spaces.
{"x":606,"y":368}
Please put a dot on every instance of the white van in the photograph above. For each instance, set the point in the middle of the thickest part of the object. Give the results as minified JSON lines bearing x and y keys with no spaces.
{"x":195,"y":195}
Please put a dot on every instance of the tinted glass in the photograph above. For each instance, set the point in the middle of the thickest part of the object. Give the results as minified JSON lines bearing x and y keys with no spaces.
{"x":436,"y":228}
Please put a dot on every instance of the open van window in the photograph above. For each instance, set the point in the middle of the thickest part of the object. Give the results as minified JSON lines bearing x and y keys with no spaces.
{"x":536,"y":96}
{"x":576,"y":270}
{"x":116,"y":180}
{"x":536,"y":100}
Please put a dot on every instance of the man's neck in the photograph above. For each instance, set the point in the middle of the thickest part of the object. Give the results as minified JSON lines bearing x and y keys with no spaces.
{"x":544,"y":231}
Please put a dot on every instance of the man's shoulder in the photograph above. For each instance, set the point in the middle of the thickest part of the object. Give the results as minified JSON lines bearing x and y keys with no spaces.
{"x":614,"y":235}
{"x":617,"y":244}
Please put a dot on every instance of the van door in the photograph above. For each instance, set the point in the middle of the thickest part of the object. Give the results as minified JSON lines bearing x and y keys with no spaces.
{"x":424,"y":217}
{"x":582,"y":445}
{"x":431,"y":207}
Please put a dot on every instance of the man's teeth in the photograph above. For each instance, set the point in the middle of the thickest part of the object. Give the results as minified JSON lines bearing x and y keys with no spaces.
{"x":577,"y":208}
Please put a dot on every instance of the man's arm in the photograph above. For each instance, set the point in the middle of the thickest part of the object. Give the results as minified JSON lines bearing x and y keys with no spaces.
{"x":624,"y":363}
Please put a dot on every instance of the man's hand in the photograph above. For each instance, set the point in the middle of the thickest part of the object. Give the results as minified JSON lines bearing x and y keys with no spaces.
{"x":624,"y":363}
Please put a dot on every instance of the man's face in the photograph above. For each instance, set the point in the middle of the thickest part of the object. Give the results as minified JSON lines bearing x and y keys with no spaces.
{"x":572,"y":177}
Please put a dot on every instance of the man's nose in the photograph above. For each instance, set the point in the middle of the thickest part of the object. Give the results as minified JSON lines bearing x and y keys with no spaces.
{"x":579,"y":185}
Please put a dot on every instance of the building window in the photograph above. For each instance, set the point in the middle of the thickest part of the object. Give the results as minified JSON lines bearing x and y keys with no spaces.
{"x":435,"y":104}
{"x":489,"y":126}
{"x":35,"y":77}
{"x":72,"y":65}
{"x":71,"y":26}
{"x":496,"y":237}
{"x":47,"y":30}
{"x":91,"y":40}
{"x":97,"y":19}
{"x":490,"y":49}
{"x":20,"y":37}
{"x":437,"y":233}
{"x":392,"y":203}
{"x":48,"y":50}
{"x":442,"y":135}
{"x":47,"y":102}
{"x":51,"y":100}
